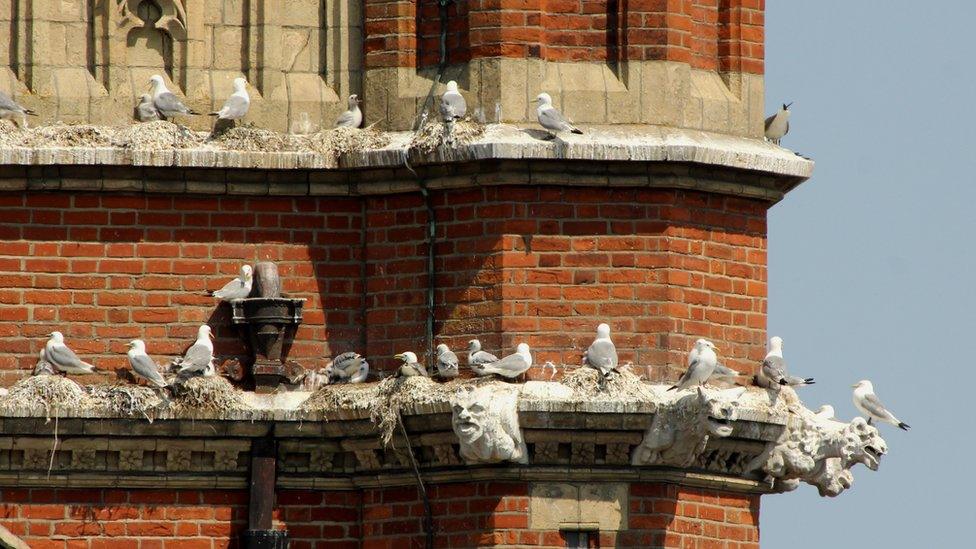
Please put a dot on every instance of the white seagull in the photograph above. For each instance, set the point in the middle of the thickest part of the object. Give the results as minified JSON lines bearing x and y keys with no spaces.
{"x":778,"y":125}
{"x":477,"y":357}
{"x":774,"y":367}
{"x":353,"y":117}
{"x":346,"y":367}
{"x":143,"y":366}
{"x":511,"y":366}
{"x":166,"y":103}
{"x":410,"y":367}
{"x":10,"y":110}
{"x":701,"y":365}
{"x":550,"y":118}
{"x":868,"y":404}
{"x":602,"y":353}
{"x":63,"y":358}
{"x":146,"y":110}
{"x":447,"y":362}
{"x":237,"y":104}
{"x":198,"y":359}
{"x":453,"y":105}
{"x":239,"y":288}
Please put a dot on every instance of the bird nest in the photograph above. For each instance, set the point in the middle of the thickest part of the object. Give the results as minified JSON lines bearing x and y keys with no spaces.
{"x":436,"y":134}
{"x":206,"y":394}
{"x":126,"y":400}
{"x":590,"y":385}
{"x":339,"y":141}
{"x":56,"y":395}
{"x":156,"y":136}
{"x":62,"y":135}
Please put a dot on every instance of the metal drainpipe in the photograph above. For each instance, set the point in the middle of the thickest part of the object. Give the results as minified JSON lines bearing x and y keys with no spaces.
{"x":260,"y":533}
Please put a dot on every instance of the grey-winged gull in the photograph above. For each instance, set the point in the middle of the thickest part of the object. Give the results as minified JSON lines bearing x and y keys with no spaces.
{"x":353,"y":117}
{"x":868,"y":404}
{"x":63,"y":358}
{"x":602,"y":353}
{"x":198,"y":359}
{"x":510,"y":366}
{"x":778,"y":125}
{"x":11,"y":110}
{"x":239,"y":288}
{"x":165,"y":102}
{"x":477,"y":357}
{"x":774,"y":367}
{"x":410,"y":367}
{"x":143,"y":366}
{"x":453,"y":105}
{"x":43,"y":367}
{"x":550,"y":118}
{"x":345,"y":367}
{"x":701,"y":365}
{"x":237,"y":105}
{"x":146,"y":110}
{"x":447,"y":362}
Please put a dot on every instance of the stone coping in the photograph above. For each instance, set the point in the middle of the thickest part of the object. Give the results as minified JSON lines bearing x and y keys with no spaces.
{"x":618,"y":143}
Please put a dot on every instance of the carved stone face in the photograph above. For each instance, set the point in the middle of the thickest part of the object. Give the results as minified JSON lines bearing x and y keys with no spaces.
{"x":719,"y":414}
{"x":863,"y":444}
{"x":470,"y":420}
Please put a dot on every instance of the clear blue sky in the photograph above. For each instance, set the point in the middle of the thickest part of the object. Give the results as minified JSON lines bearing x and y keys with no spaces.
{"x":875,"y":257}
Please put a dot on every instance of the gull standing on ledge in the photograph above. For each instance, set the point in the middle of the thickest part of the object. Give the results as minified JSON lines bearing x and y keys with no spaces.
{"x":778,"y":125}
{"x":447,"y":362}
{"x":198,"y":359}
{"x":410,"y":366}
{"x":63,"y":358}
{"x":511,"y":366}
{"x":868,"y":404}
{"x":145,"y":110}
{"x":345,"y":367}
{"x":239,"y":288}
{"x":477,"y":357}
{"x":453,"y":105}
{"x":166,"y":103}
{"x":143,"y":367}
{"x":353,"y":117}
{"x":774,"y":367}
{"x":701,"y":365}
{"x":550,"y":118}
{"x":10,"y":110}
{"x":602,"y":353}
{"x":237,"y":104}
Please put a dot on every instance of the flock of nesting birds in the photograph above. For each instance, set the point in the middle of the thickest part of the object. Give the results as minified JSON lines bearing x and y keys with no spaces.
{"x":351,"y":367}
{"x":162,"y":104}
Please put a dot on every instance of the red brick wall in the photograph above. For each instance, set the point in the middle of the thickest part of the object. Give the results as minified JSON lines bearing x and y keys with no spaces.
{"x":105,"y":269}
{"x":722,"y":35}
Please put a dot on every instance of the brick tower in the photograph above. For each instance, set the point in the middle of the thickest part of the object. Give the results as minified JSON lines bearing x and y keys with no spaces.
{"x":653,"y":220}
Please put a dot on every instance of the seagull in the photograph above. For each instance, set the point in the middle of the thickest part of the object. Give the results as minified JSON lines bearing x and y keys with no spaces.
{"x":361,"y":374}
{"x":868,"y":404}
{"x":145,"y":110}
{"x":142,"y":365}
{"x":237,"y":104}
{"x":410,"y":366}
{"x":701,"y":365}
{"x":453,"y":105}
{"x":346,"y":366}
{"x":826,"y":412}
{"x":725,"y":373}
{"x":43,"y":366}
{"x":10,"y":110}
{"x":447,"y":362}
{"x":778,"y":125}
{"x":602,"y":353}
{"x":477,"y":357}
{"x":774,"y":367}
{"x":166,"y":103}
{"x":198,"y":359}
{"x":551,"y":119}
{"x":353,"y":117}
{"x":239,"y":288}
{"x":63,"y":358}
{"x":511,"y":366}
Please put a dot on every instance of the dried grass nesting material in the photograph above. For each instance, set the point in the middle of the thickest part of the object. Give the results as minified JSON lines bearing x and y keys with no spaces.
{"x":249,"y":138}
{"x":332,"y":398}
{"x":126,"y":400}
{"x":156,"y":136}
{"x":336,"y":142}
{"x":10,"y":134}
{"x":587,"y":384}
{"x":434,"y":134}
{"x":206,"y":394}
{"x":66,"y":135}
{"x":52,"y":393}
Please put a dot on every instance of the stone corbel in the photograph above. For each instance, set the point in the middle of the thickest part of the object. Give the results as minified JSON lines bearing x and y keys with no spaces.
{"x":485,"y":420}
{"x":819,"y":450}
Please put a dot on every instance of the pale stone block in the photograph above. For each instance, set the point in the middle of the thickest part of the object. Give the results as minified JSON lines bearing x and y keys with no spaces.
{"x":300,"y":49}
{"x":554,"y":506}
{"x":76,"y":38}
{"x":227,"y":47}
{"x":234,"y":11}
{"x":303,"y":13}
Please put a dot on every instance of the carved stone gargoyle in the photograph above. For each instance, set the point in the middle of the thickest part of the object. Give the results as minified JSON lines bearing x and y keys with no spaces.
{"x":680,"y":430}
{"x":485,"y":420}
{"x":820,"y":450}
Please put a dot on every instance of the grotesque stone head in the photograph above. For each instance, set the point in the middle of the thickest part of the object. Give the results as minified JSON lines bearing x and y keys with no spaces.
{"x":862,"y":444}
{"x":485,"y":421}
{"x":470,"y":418}
{"x":719,"y":411}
